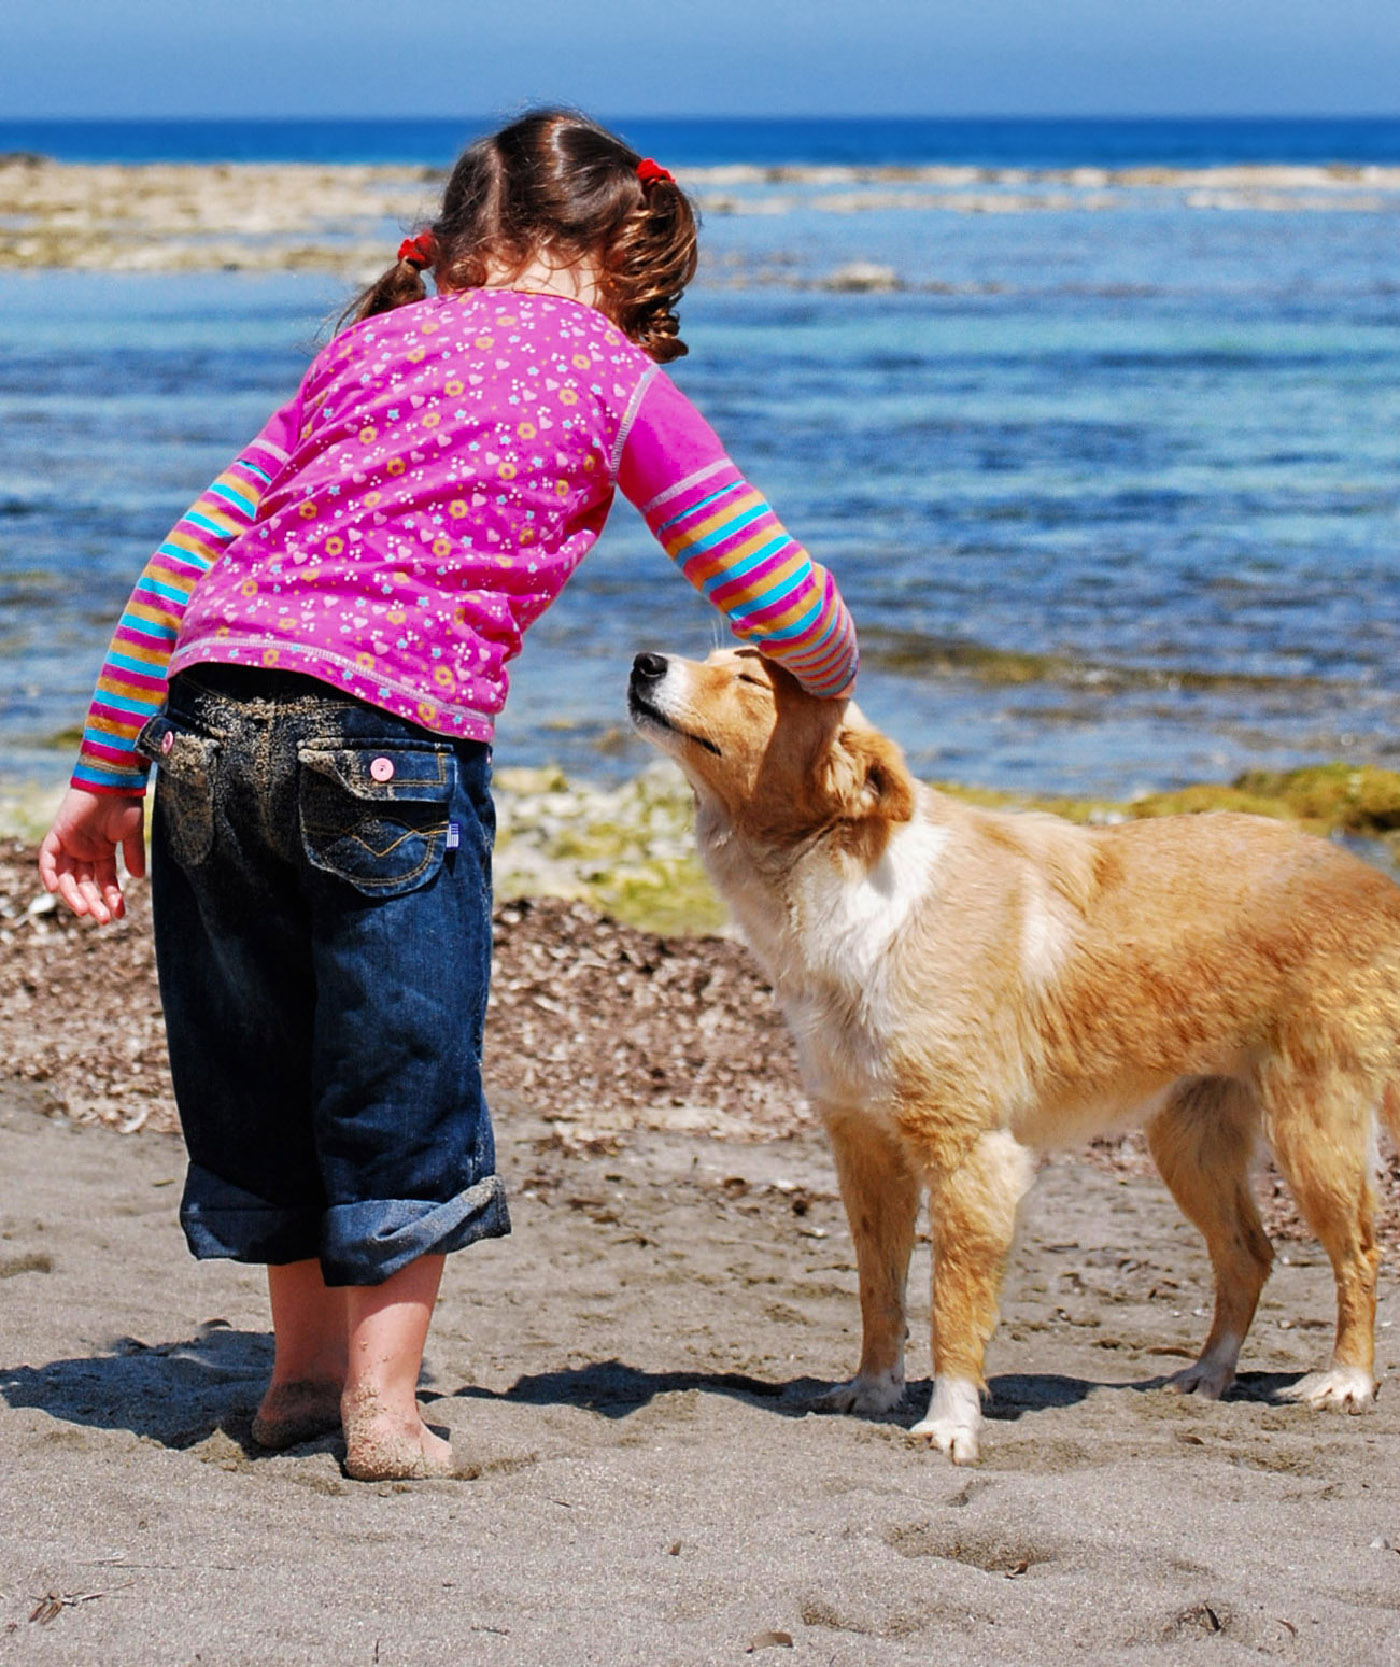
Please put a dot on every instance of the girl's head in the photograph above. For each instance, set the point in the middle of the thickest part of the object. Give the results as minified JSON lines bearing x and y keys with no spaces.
{"x":556,"y":189}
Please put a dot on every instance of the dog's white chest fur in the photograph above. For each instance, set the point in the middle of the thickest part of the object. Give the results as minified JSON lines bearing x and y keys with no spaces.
{"x":847,"y":915}
{"x":825,"y":942}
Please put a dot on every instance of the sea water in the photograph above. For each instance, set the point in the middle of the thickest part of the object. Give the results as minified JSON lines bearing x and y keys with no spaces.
{"x":1108,"y":474}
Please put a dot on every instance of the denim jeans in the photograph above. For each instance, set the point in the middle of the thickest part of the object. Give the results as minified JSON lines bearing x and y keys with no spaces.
{"x":322,"y":886}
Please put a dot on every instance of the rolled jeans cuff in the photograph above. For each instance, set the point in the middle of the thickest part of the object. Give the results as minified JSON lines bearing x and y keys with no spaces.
{"x":358,"y":1244}
{"x":364,"y":1244}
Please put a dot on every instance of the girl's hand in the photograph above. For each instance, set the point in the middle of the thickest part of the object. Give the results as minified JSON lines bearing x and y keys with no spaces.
{"x":78,"y":858}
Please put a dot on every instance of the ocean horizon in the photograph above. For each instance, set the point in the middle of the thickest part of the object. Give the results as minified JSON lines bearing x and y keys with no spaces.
{"x":690,"y":141}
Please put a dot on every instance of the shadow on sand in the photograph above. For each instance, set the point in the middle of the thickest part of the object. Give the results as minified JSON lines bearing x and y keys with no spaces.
{"x":178,"y":1394}
{"x":615,"y":1389}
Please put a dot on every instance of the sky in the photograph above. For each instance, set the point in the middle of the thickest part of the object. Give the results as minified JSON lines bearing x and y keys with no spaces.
{"x":701,"y":57}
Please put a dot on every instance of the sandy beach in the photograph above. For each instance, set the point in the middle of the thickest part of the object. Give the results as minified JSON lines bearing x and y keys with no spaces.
{"x":630,"y":1377}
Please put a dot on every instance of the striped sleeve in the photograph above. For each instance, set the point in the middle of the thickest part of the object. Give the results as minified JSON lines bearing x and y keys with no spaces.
{"x":729,"y":544}
{"x":131,"y":684}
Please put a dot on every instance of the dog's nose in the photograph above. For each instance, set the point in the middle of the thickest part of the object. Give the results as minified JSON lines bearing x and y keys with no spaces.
{"x":649,"y":668}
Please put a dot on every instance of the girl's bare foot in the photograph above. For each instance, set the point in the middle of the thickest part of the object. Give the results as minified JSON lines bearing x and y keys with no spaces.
{"x":383,"y":1444}
{"x":386,"y":1439}
{"x":308,"y":1371}
{"x":295,"y":1412}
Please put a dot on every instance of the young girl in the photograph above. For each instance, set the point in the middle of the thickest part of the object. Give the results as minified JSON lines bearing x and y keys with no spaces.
{"x":334,"y":617}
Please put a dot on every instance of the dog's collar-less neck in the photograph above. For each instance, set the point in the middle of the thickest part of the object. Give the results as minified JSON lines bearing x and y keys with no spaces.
{"x":775,"y":856}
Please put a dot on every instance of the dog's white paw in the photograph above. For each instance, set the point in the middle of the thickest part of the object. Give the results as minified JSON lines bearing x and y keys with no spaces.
{"x":880,"y":1392}
{"x":1348,"y":1388}
{"x":953,"y":1419}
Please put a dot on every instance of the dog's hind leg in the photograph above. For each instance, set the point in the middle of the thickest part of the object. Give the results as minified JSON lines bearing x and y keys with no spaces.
{"x":1319,"y":1126}
{"x":973,"y":1213}
{"x":1202,"y":1141}
{"x":881,"y":1195}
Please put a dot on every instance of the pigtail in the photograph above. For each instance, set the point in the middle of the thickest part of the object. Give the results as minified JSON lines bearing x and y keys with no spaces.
{"x":651,"y":261}
{"x":399,"y":285}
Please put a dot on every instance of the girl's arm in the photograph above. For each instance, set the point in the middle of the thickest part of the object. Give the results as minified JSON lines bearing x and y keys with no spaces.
{"x":131,"y":685}
{"x":102,"y":809}
{"x":723,"y":536}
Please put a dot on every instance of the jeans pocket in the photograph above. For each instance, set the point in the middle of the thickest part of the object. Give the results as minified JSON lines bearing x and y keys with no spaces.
{"x":185,"y":762}
{"x":376,"y":816}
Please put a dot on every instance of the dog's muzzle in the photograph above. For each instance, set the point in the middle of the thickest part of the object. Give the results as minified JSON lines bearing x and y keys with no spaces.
{"x":648,"y":674}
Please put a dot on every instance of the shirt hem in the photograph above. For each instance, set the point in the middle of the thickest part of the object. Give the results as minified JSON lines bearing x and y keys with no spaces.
{"x":341,"y":673}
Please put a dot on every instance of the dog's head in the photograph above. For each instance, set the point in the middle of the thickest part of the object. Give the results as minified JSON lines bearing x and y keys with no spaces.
{"x":780,"y":764}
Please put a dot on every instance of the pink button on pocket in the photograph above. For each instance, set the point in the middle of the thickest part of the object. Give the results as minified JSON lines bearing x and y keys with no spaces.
{"x":167,"y":741}
{"x":382,"y":769}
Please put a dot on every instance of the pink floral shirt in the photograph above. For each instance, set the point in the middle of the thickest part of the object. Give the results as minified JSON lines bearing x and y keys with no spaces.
{"x":441,"y":472}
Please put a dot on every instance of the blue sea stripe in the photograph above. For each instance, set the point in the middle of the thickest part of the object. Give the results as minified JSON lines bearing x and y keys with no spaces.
{"x":702,"y":504}
{"x":727,"y":575}
{"x":253,"y":469}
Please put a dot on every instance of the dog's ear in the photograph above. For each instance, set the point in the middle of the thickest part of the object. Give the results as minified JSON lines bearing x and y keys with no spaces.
{"x":865,"y":773}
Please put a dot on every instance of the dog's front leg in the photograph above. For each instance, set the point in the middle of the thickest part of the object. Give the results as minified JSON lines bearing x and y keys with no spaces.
{"x":881,"y":1195}
{"x":973,"y":1212}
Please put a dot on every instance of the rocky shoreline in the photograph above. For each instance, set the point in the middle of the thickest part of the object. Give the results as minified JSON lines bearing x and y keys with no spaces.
{"x":261,"y":217}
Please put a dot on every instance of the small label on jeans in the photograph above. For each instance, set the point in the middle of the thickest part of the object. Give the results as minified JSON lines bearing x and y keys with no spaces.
{"x":454,"y":836}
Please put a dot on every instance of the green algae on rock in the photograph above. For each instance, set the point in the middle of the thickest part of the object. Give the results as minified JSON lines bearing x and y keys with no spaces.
{"x":628,"y":850}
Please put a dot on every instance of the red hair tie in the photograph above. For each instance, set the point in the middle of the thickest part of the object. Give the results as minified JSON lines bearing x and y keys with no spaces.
{"x":649,"y":172}
{"x":419,"y":251}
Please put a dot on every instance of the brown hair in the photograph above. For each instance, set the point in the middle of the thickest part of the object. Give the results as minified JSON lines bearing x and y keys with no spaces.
{"x":557,"y":185}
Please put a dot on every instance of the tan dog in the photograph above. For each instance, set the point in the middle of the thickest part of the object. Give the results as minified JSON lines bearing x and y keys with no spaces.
{"x":966,"y":988}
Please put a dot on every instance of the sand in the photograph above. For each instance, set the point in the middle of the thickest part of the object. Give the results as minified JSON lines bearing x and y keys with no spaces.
{"x":630,"y":1375}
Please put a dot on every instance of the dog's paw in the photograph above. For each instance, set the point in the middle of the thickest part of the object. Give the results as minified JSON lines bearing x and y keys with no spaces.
{"x":880,"y":1392}
{"x":1207,"y":1378}
{"x":1348,"y":1388}
{"x":953,"y":1419}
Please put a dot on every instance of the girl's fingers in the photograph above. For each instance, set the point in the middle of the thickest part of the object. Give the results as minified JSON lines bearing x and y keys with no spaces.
{"x":109,"y":886}
{"x":67,"y":884}
{"x":78,"y":855}
{"x":92,"y":896}
{"x":134,"y":853}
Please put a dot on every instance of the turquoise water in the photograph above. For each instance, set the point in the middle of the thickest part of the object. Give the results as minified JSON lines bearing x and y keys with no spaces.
{"x":1114,"y":495}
